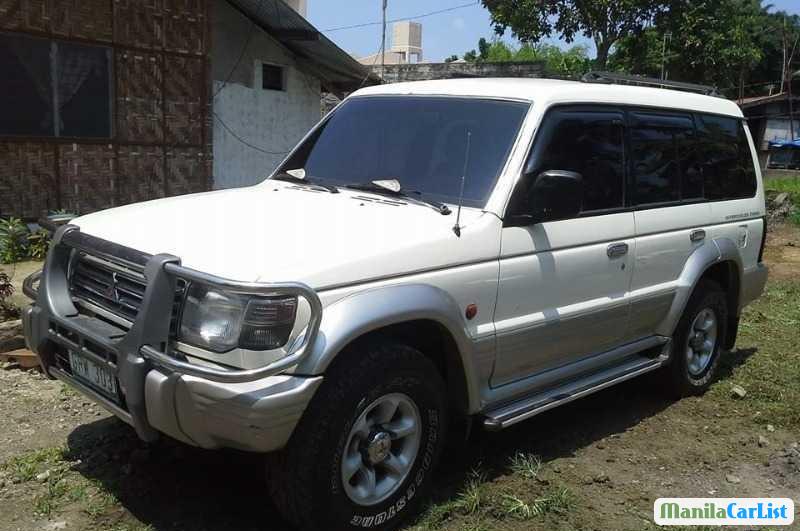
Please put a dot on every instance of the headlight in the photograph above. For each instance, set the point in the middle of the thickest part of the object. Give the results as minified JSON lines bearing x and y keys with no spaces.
{"x":220,"y":321}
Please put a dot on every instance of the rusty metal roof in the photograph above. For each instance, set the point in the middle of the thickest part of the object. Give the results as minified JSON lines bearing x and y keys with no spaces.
{"x":338,"y":71}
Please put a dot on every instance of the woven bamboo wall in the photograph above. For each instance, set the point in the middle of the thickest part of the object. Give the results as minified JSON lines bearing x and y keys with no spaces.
{"x":27,"y":178}
{"x":140,"y":174}
{"x":161,"y":138}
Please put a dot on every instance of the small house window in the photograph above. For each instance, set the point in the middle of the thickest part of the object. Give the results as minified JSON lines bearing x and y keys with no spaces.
{"x":54,"y":89}
{"x":272,"y":77}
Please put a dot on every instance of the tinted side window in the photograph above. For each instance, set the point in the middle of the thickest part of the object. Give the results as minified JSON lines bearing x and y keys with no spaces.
{"x":661,"y":153}
{"x":726,"y":158}
{"x":590,"y":143}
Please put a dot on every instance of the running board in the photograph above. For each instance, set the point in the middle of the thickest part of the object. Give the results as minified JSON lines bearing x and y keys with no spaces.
{"x":532,"y":405}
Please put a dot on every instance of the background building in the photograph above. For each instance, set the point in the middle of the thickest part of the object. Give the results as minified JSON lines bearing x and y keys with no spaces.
{"x":406,"y":46}
{"x":108,"y":102}
{"x":768,"y":118}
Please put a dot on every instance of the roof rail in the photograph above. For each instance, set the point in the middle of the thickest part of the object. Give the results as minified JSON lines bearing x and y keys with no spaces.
{"x":626,"y":79}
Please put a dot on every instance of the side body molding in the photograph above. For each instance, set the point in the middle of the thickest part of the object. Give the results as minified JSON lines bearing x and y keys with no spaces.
{"x":703,"y":258}
{"x":350,"y":318}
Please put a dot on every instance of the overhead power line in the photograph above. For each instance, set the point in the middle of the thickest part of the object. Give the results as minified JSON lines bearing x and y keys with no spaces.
{"x":414,"y":17}
{"x":238,"y":60}
{"x":245,"y":142}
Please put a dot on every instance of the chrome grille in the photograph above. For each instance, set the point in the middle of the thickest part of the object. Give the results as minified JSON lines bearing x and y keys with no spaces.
{"x":115,"y":289}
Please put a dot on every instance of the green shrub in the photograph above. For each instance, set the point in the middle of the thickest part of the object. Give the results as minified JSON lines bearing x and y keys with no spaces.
{"x":39,"y":244}
{"x":13,"y":240}
{"x":7,"y":310}
{"x":6,"y":289}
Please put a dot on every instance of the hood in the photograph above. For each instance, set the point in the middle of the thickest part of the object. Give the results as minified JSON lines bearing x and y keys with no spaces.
{"x":280,"y":232}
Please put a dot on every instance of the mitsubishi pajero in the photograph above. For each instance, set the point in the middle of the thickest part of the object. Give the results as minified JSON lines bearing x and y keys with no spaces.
{"x":430,"y":254}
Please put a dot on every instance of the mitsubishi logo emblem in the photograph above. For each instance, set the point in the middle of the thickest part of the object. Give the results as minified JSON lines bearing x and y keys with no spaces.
{"x":111,"y":291}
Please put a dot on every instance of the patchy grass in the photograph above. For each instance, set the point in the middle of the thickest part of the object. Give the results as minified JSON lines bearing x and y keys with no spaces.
{"x":100,"y":501}
{"x":525,"y":465}
{"x":772,"y":378}
{"x":27,"y":466}
{"x":482,"y":504}
{"x":131,"y":527}
{"x":558,"y":501}
{"x":50,"y":467}
{"x":66,"y":393}
{"x":474,"y":495}
{"x":784,"y":184}
{"x":470,"y":500}
{"x":49,"y":474}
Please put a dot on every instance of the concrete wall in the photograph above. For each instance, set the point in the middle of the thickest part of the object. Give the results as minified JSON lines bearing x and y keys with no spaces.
{"x":273,"y":121}
{"x":425,"y":71}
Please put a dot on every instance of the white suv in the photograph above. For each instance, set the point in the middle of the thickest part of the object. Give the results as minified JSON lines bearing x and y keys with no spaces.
{"x":431,"y":252}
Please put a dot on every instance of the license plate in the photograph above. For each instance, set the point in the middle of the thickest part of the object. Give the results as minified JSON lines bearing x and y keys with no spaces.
{"x":94,"y":374}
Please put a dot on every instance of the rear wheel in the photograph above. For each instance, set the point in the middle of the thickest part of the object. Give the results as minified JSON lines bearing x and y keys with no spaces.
{"x":698,"y":340}
{"x":363,"y":453}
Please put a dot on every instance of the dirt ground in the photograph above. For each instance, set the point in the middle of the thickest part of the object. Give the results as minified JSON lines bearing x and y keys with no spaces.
{"x":782,"y":252}
{"x":598,"y":463}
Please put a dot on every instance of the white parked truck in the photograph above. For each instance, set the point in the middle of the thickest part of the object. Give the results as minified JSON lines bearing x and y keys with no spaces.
{"x":466,"y":250}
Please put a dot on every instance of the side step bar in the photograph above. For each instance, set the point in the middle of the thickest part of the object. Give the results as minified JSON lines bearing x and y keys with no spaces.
{"x":525,"y":408}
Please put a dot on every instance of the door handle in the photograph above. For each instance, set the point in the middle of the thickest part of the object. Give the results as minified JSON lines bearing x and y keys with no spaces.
{"x":617,"y":249}
{"x":698,"y":235}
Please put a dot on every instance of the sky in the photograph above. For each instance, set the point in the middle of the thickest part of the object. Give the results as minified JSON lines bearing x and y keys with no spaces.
{"x":451,"y":33}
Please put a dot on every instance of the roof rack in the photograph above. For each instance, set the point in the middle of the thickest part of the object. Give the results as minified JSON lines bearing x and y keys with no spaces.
{"x":625,"y":79}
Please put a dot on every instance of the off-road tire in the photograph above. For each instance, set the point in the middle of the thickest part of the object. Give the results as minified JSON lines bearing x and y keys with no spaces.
{"x":679,"y":381}
{"x":305,"y":479}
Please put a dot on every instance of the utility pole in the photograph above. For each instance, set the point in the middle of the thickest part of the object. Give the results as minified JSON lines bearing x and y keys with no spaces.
{"x":787,"y":79}
{"x":385,"y":4}
{"x":667,"y":36}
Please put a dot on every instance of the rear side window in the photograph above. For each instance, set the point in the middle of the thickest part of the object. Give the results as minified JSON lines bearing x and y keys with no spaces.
{"x":726,"y":159}
{"x":663,"y":158}
{"x":590,"y":143}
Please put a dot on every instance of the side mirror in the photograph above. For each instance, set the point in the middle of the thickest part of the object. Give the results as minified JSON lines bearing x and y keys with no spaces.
{"x":556,"y":195}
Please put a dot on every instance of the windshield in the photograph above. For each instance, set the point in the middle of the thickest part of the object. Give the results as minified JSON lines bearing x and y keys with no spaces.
{"x":419,"y":141}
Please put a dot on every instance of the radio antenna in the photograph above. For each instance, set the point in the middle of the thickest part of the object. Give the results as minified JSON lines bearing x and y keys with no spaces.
{"x":457,"y":226}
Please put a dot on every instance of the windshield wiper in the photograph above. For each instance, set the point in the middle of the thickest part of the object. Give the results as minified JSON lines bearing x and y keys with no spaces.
{"x":284,"y":176}
{"x":392,"y":188}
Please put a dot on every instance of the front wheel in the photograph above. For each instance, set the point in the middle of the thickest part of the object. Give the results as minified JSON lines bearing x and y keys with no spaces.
{"x":363,"y":454}
{"x":698,"y":340}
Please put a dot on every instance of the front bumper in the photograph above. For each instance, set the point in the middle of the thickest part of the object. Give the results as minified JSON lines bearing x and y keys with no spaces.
{"x":254,"y":410}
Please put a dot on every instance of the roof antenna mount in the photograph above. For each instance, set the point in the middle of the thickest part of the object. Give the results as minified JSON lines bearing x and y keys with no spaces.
{"x":457,"y":226}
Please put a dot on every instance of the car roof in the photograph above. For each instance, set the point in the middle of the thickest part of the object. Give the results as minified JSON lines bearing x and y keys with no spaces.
{"x":547,"y":92}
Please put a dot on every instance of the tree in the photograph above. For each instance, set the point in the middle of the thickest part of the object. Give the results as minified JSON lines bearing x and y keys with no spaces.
{"x":733,"y":44}
{"x":604,"y":21}
{"x":498,"y":52}
{"x":571,"y":62}
{"x":483,"y":49}
{"x":451,"y":59}
{"x":642,"y":54}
